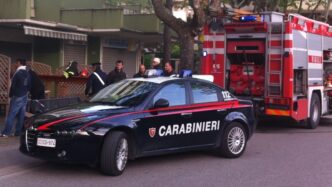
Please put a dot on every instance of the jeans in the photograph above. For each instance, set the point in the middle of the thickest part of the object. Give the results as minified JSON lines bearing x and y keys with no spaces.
{"x":16,"y":109}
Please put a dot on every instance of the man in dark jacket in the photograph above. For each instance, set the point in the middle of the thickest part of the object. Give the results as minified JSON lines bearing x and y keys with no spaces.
{"x":168,"y":70}
{"x":141,"y":71}
{"x":37,"y":90}
{"x":117,"y":74}
{"x":96,"y":80}
{"x":18,"y":94}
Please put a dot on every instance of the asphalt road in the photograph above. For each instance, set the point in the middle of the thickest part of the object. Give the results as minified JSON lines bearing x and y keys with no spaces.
{"x":277,"y":155}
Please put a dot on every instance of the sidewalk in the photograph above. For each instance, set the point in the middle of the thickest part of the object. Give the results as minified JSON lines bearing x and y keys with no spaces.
{"x":10,"y":141}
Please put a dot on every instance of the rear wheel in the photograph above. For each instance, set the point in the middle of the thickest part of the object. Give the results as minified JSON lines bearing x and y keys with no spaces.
{"x":315,"y":112}
{"x":114,"y":153}
{"x":234,"y":141}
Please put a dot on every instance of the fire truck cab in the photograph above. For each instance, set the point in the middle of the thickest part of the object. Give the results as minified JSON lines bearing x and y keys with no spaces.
{"x":282,"y":62}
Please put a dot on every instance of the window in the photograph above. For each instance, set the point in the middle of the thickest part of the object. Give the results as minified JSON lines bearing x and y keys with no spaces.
{"x":125,"y":93}
{"x":203,"y":93}
{"x":174,"y":93}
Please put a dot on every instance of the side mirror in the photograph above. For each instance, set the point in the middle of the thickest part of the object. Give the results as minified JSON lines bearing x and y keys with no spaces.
{"x":161,"y":103}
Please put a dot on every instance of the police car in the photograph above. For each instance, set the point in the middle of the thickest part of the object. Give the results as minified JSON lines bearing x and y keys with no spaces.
{"x":142,"y":117}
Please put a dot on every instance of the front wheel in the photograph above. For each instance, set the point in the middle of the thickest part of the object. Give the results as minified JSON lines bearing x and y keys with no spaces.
{"x":234,"y":141}
{"x":114,"y":153}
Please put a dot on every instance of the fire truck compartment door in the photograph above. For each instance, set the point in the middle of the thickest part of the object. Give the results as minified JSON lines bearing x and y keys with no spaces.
{"x":245,"y":46}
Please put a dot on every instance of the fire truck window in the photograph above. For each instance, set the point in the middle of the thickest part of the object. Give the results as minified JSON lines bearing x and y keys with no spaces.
{"x":299,"y":82}
{"x":204,"y":93}
{"x":174,"y":93}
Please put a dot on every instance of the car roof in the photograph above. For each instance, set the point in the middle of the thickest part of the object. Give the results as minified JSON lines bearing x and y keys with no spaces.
{"x":157,"y":80}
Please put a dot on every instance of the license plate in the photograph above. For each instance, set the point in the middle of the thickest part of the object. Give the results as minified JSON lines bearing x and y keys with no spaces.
{"x":46,"y":142}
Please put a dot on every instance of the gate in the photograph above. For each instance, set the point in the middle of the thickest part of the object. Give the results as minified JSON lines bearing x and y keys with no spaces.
{"x":4,"y":83}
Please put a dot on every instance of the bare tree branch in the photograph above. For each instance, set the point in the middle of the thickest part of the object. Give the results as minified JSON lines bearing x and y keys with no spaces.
{"x":327,"y":11}
{"x":167,"y":17}
{"x":315,"y":8}
{"x":300,"y":7}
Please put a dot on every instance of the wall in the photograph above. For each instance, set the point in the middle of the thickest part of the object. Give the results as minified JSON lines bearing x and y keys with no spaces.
{"x":47,"y":51}
{"x":142,"y":22}
{"x":49,"y":10}
{"x":15,"y":9}
{"x":93,"y":18}
{"x":93,"y":50}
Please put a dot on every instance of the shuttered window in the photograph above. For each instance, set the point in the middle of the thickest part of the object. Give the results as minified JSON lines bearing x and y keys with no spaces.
{"x":75,"y":52}
{"x":110,"y":56}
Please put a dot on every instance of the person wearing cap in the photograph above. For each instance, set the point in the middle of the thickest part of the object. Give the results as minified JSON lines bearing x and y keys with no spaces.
{"x":96,"y":81}
{"x":156,"y":64}
{"x":117,"y":74}
{"x":71,"y":69}
{"x":141,"y":71}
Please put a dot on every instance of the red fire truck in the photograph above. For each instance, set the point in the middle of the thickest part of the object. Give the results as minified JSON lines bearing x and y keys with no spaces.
{"x":282,"y":62}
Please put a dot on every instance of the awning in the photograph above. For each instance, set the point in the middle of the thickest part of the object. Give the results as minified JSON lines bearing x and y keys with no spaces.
{"x":49,"y":33}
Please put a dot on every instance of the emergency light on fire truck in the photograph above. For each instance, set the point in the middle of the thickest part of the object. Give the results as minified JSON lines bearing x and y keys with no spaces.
{"x":248,"y":18}
{"x":279,"y":61}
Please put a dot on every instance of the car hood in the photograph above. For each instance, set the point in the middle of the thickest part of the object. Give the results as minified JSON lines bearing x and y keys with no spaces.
{"x":75,"y":116}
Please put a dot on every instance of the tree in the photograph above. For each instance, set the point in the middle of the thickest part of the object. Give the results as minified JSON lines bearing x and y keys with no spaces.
{"x":187,"y":30}
{"x":167,"y":35}
{"x":327,"y":6}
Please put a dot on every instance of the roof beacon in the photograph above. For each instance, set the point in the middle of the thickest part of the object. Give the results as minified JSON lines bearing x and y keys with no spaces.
{"x":186,"y":73}
{"x":153,"y":73}
{"x":248,"y":18}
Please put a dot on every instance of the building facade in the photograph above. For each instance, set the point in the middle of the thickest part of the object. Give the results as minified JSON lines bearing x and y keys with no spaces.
{"x":54,"y":32}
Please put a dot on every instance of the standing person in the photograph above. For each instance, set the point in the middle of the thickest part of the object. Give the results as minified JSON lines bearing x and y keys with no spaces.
{"x":141,"y":71}
{"x":117,"y":74}
{"x":18,"y":94}
{"x":96,"y":81}
{"x":37,"y":89}
{"x":168,"y":70}
{"x":156,"y":64}
{"x":71,"y":69}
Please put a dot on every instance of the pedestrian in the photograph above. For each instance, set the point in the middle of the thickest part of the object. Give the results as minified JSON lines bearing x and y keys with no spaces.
{"x":18,"y":94}
{"x":71,"y":69}
{"x":37,"y":89}
{"x":156,"y":64}
{"x":96,"y":81}
{"x":168,"y":70}
{"x":141,"y":71}
{"x":117,"y":74}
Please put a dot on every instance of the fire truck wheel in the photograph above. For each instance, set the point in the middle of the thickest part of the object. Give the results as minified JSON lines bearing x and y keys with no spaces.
{"x":315,"y":112}
{"x":233,"y":141}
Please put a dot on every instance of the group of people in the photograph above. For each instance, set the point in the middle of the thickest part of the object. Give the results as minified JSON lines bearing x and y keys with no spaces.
{"x":98,"y":79}
{"x":167,"y":71}
{"x":24,"y":81}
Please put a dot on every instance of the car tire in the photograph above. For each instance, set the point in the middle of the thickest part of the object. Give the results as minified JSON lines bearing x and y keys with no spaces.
{"x":233,"y":141}
{"x":114,"y":153}
{"x":315,"y":112}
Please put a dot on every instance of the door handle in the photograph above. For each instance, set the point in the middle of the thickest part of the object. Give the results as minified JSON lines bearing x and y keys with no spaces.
{"x":189,"y":114}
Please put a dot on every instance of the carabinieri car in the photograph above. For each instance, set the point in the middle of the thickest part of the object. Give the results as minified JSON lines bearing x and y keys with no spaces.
{"x":142,"y":117}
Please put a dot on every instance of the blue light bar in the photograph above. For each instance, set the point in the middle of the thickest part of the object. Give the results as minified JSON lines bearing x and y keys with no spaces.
{"x":186,"y":73}
{"x":248,"y":18}
{"x":153,"y":73}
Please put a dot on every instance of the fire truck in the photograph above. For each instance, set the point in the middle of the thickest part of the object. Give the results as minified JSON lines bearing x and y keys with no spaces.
{"x":282,"y":62}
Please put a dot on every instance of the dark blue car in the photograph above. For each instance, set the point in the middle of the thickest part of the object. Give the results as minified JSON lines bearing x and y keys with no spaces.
{"x":142,"y":117}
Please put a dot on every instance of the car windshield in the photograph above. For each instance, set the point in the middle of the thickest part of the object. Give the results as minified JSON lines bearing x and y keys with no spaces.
{"x":124,"y":93}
